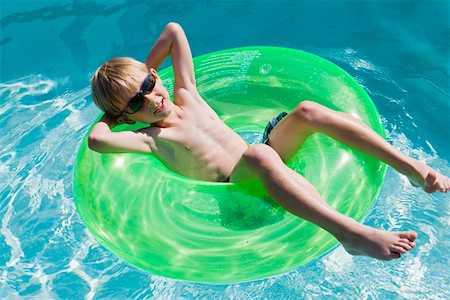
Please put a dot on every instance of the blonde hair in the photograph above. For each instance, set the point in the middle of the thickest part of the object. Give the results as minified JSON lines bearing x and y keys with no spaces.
{"x":112,"y":83}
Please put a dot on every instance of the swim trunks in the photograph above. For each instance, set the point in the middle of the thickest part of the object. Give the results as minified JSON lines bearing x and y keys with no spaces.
{"x":271,"y":125}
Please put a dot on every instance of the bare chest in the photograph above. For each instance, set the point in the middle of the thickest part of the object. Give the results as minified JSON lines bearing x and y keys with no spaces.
{"x":202,"y":148}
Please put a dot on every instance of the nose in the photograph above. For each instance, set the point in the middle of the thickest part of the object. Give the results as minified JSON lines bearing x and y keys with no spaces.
{"x":152,"y":101}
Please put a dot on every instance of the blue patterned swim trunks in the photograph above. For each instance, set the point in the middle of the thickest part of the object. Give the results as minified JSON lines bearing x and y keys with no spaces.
{"x":271,"y":125}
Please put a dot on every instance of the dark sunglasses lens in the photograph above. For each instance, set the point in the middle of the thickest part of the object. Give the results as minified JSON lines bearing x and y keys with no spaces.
{"x":135,"y":104}
{"x":148,"y":84}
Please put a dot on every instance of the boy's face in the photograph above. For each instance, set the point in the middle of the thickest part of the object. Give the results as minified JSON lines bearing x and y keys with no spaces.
{"x":153,"y":104}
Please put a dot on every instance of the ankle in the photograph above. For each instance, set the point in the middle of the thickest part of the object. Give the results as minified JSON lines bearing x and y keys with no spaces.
{"x":408,"y":166}
{"x":350,"y":232}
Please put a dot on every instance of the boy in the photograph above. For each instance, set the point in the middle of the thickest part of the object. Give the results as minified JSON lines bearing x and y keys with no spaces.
{"x":188,"y":137}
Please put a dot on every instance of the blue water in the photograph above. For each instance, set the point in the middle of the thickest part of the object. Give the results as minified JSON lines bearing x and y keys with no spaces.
{"x":398,"y":51}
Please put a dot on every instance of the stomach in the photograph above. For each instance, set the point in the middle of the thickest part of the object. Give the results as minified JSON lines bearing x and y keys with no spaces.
{"x":204,"y":156}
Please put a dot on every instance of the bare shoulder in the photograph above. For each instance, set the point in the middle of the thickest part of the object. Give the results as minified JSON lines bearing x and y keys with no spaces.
{"x":190,"y":100}
{"x":184,"y":95}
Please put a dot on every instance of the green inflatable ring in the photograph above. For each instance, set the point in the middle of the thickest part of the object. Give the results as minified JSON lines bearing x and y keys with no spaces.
{"x":211,"y":232}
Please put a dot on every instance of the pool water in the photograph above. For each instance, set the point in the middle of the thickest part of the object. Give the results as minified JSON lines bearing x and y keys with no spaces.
{"x":398,"y":51}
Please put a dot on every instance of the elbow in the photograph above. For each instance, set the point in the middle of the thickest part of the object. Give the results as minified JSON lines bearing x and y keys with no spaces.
{"x":94,"y":143}
{"x":173,"y":27}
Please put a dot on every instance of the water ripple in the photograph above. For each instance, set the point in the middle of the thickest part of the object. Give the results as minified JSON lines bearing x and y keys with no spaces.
{"x":46,"y":251}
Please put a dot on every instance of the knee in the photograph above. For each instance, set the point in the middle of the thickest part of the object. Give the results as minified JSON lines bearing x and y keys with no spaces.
{"x":308,"y":112}
{"x":258,"y":156}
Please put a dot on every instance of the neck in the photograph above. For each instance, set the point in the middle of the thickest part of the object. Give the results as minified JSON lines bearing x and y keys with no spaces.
{"x":175,"y":116}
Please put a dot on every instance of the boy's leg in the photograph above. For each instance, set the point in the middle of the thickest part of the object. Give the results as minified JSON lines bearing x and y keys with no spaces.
{"x":300,"y":198}
{"x":309,"y":117}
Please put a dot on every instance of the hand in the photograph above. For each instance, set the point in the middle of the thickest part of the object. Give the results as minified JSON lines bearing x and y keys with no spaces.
{"x":123,"y":119}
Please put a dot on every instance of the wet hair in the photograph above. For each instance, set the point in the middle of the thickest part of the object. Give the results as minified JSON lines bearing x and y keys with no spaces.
{"x":112,"y":83}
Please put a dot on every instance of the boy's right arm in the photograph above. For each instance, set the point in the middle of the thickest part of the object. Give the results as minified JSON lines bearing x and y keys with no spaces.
{"x":102,"y":139}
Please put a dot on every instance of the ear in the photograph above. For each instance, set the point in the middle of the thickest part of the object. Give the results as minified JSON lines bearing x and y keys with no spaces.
{"x":124,"y":120}
{"x":153,"y":71}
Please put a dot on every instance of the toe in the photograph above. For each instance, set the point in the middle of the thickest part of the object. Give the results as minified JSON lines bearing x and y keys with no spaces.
{"x":405,"y":246}
{"x":395,"y":255}
{"x":408,"y":242}
{"x":398,"y":249}
{"x":447,"y":186}
{"x":410,"y":235}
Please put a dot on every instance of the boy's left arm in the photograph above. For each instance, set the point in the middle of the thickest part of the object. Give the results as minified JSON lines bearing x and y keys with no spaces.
{"x":173,"y":41}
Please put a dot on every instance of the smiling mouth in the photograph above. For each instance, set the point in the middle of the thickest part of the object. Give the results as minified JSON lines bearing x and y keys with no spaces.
{"x":160,"y":107}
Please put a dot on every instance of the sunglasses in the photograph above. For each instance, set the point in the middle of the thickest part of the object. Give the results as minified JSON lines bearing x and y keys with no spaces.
{"x":135,"y":103}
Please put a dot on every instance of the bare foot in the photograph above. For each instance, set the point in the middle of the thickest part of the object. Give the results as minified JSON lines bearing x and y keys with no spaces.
{"x":380,"y":244}
{"x":428,"y":178}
